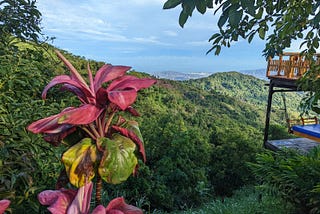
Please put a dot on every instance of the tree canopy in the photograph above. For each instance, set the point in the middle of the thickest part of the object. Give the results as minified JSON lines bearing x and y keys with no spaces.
{"x":279,"y":22}
{"x":19,"y":18}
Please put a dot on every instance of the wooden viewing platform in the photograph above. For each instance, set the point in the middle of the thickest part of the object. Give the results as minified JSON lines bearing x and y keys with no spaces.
{"x":283,"y":74}
{"x":289,"y":65}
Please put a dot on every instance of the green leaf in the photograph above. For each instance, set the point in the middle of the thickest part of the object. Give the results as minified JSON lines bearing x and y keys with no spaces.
{"x":222,"y":20}
{"x":171,"y":4}
{"x":249,"y":5}
{"x":214,"y":36}
{"x":262,"y":33}
{"x":209,"y":4}
{"x":119,"y":160}
{"x":315,"y":109}
{"x":235,"y":17}
{"x":183,"y":18}
{"x":79,"y":162}
{"x":316,"y":18}
{"x":251,"y":37}
{"x":259,"y":14}
{"x":218,"y":49}
{"x":201,"y":6}
{"x":315,"y":43}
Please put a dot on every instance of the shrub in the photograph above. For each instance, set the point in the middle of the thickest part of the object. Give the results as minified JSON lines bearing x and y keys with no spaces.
{"x":24,"y":170}
{"x":228,"y":169}
{"x":293,"y":176}
{"x":175,"y":174}
{"x":246,"y":200}
{"x":277,"y":131}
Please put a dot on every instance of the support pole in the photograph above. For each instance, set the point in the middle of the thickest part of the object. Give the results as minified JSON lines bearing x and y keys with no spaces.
{"x":266,"y":129}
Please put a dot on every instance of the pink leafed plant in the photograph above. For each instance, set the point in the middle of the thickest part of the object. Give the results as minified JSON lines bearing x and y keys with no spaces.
{"x":72,"y":202}
{"x":109,"y":141}
{"x":4,"y":204}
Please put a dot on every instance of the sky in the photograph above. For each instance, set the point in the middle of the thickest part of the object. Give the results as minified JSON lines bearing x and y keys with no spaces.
{"x":140,"y":34}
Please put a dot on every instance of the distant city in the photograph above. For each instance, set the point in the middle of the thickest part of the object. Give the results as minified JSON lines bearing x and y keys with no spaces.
{"x":179,"y":76}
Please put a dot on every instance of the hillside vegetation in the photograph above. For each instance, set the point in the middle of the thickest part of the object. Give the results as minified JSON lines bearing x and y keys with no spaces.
{"x":247,"y":88}
{"x":199,"y":134}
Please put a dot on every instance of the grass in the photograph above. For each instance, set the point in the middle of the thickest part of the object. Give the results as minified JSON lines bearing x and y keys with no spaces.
{"x":247,"y":200}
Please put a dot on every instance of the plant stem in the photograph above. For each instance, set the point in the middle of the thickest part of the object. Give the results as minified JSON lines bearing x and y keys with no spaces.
{"x":94,"y":130}
{"x":88,"y":132}
{"x":98,"y":190}
{"x":106,"y":129}
{"x":100,"y":123}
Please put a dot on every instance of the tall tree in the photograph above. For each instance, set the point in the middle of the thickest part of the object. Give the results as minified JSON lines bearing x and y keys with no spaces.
{"x":20,"y":19}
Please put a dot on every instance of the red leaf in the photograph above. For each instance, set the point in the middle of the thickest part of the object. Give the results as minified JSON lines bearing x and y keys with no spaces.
{"x":83,"y":92}
{"x":4,"y":204}
{"x":114,"y":212}
{"x":57,"y":200}
{"x":123,"y":91}
{"x":107,"y":73}
{"x":59,"y":80}
{"x":99,"y":210}
{"x":102,"y":97}
{"x":85,"y":114}
{"x":74,"y":73}
{"x":55,"y":139}
{"x":78,"y":92}
{"x":133,"y":111}
{"x":130,"y":82}
{"x":123,"y":99}
{"x":118,"y":204}
{"x":48,"y":125}
{"x":81,"y":203}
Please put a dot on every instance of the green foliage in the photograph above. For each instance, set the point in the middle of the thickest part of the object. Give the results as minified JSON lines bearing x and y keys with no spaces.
{"x":230,"y":153}
{"x":277,"y":131}
{"x":246,"y":200}
{"x":28,"y":164}
{"x":24,"y":170}
{"x":197,"y":143}
{"x":175,"y":173}
{"x":247,"y":89}
{"x":21,"y":19}
{"x":294,"y":177}
{"x":283,"y":22}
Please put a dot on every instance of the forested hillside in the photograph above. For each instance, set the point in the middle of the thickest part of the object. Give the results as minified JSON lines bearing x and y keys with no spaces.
{"x":198,"y":134}
{"x":247,"y":88}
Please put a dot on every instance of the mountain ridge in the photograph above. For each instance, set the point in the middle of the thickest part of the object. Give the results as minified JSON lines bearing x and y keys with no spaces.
{"x":181,"y":76}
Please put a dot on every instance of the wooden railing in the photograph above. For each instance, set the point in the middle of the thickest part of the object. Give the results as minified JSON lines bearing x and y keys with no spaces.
{"x":289,"y":66}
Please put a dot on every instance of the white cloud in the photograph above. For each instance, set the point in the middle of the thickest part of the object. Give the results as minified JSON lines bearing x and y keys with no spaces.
{"x":199,"y":43}
{"x":128,"y":30}
{"x":170,"y":33}
{"x":148,"y":2}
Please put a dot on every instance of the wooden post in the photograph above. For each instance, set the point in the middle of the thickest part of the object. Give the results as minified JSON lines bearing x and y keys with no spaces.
{"x":269,"y":65}
{"x":267,"y":124}
{"x":280,"y":65}
{"x":291,"y":66}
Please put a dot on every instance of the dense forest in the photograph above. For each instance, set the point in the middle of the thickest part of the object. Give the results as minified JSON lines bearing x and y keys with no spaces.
{"x":199,"y":134}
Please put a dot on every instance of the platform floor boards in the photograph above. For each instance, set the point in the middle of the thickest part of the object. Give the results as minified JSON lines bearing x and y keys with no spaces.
{"x":303,"y":145}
